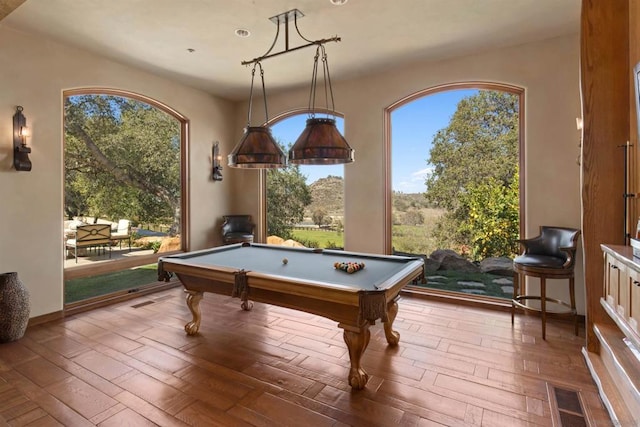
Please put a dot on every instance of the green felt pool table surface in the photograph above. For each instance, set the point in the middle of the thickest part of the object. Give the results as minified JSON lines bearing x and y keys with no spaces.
{"x":304,"y":265}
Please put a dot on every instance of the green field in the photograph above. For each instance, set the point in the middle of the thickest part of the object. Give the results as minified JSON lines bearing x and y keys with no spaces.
{"x":319,"y":238}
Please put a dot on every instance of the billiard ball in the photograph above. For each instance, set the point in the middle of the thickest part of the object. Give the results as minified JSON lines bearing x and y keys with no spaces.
{"x":285,"y":261}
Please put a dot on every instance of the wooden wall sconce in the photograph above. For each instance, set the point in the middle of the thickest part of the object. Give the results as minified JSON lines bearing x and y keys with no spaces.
{"x":215,"y":160}
{"x":21,"y":152}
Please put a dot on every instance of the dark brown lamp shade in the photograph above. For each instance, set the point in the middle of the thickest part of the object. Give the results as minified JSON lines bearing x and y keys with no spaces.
{"x":321,"y":144}
{"x":257,"y":149}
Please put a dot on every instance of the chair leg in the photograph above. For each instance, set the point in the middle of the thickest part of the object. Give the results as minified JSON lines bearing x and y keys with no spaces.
{"x":543,"y":306}
{"x":572,"y":296}
{"x":516,"y":282}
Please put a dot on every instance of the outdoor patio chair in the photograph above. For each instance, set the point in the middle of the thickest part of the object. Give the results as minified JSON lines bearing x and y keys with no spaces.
{"x":90,"y":236}
{"x":123,"y":232}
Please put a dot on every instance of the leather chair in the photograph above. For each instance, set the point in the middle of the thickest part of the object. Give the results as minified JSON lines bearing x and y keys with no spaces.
{"x":550,"y":255}
{"x":237,"y":229}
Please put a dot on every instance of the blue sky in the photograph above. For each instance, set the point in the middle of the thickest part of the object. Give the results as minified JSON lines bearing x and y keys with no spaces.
{"x":413,"y":127}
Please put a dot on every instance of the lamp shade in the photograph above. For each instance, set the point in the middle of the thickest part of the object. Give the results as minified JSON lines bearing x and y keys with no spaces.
{"x":321,"y":144}
{"x":257,"y":149}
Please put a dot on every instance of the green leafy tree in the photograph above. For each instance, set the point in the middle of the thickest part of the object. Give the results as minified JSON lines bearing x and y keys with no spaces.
{"x":122,"y":159}
{"x":318,"y":216}
{"x":287,"y":197}
{"x":480,"y":144}
{"x":493,"y":224}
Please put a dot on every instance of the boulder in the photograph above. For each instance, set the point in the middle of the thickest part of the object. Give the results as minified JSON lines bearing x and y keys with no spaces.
{"x":439,"y":254}
{"x":431,"y":265}
{"x":274,"y":240}
{"x":450,"y":260}
{"x":292,"y":243}
{"x":501,"y":266}
{"x":170,"y":244}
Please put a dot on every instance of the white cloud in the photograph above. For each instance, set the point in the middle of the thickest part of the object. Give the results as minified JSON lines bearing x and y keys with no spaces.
{"x":422,"y":174}
{"x":413,"y":182}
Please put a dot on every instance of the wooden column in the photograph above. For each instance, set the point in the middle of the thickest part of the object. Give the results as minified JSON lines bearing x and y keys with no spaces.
{"x":604,"y":72}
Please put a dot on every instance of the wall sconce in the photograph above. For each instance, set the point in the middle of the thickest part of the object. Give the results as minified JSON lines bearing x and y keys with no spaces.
{"x":21,"y":152}
{"x":216,"y":174}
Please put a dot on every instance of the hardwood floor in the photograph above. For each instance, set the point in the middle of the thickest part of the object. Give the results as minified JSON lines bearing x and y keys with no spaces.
{"x":132,"y":364}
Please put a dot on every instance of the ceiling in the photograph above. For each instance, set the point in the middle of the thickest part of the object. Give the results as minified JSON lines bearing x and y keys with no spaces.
{"x":156,"y":35}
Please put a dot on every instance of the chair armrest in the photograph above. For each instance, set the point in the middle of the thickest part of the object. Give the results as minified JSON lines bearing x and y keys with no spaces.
{"x":528,"y":244}
{"x":570,"y":251}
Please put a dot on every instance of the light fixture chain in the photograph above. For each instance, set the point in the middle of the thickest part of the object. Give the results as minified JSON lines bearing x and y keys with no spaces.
{"x":327,"y":76}
{"x":326,"y":66}
{"x":253,"y":73}
{"x":264,"y":95}
{"x":314,"y":79}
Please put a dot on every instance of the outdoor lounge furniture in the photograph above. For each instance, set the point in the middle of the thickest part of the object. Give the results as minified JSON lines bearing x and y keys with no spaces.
{"x":123,"y":232}
{"x":90,"y":236}
{"x":237,"y":229}
{"x":550,"y":255}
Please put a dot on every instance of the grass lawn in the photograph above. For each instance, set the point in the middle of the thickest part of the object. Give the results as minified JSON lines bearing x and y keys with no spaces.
{"x":319,"y":238}
{"x":89,"y":287}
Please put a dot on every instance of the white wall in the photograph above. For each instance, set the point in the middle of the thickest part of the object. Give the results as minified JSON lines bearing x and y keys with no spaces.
{"x":548,"y":71}
{"x":34,"y":73}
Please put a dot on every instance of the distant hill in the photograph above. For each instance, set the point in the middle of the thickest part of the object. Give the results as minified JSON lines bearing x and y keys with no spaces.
{"x":328,"y":194}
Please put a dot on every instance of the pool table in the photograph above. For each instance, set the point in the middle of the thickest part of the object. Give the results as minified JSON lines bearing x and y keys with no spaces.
{"x":302,"y":279}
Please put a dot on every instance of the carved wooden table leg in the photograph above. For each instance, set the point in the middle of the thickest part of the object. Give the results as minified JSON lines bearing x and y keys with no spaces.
{"x":357,"y":339}
{"x":193,"y":302}
{"x":393,"y":337}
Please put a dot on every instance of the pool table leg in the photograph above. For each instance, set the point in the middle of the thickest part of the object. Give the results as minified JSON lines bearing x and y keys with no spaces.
{"x":357,"y":339}
{"x":193,"y":302}
{"x":393,"y":337}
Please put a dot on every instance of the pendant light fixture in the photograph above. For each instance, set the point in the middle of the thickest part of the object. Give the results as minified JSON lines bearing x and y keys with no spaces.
{"x":257,"y":148}
{"x":320,"y":143}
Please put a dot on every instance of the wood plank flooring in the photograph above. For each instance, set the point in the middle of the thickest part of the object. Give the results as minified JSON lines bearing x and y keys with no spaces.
{"x":132,"y":364}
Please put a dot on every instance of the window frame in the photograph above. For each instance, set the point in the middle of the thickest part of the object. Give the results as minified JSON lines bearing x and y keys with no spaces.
{"x":388,"y":226}
{"x":75,"y":272}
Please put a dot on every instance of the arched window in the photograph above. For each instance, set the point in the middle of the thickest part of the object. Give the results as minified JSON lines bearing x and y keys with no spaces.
{"x":455,"y":177}
{"x":124,"y":198}
{"x":304,"y":203}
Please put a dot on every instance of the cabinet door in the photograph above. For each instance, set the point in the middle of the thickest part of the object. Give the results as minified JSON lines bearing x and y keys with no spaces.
{"x":614,"y":276}
{"x":634,"y":300}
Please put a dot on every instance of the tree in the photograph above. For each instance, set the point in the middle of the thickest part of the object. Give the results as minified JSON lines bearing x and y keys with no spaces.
{"x":493,"y":218}
{"x":479,"y":144}
{"x":413,"y":217}
{"x":122,"y":159}
{"x":318,"y":216}
{"x":287,"y":197}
